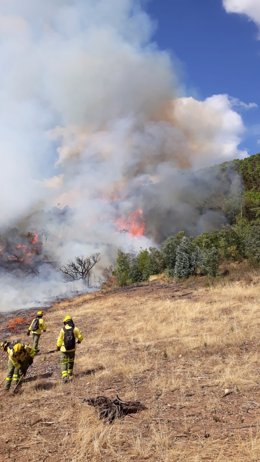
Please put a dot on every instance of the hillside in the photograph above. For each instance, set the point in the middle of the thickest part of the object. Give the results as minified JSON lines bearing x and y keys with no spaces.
{"x":228,"y":200}
{"x":189,"y":352}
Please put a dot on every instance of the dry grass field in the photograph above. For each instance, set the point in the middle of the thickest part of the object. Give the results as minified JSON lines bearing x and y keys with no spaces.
{"x":188,"y":351}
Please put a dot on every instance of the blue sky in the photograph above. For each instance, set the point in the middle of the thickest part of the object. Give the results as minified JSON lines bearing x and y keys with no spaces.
{"x":92,"y":117}
{"x":94,"y":104}
{"x":219,"y":52}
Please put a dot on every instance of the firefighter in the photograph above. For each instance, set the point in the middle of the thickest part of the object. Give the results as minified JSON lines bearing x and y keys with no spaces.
{"x":20,"y":357}
{"x":66,"y":343}
{"x":36,"y":328}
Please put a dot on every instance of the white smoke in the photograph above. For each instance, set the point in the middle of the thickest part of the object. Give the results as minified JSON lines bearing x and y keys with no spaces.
{"x":92,"y":117}
{"x":250,"y":8}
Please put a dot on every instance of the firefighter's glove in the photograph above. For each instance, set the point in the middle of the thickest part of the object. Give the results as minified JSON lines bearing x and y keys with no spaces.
{"x":28,"y":333}
{"x":58,"y":348}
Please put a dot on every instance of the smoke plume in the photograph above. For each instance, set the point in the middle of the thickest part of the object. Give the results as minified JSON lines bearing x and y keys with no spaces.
{"x":93,"y":126}
{"x":250,"y":8}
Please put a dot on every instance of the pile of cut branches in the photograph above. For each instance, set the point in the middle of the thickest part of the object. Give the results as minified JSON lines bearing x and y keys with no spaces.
{"x":111,"y":409}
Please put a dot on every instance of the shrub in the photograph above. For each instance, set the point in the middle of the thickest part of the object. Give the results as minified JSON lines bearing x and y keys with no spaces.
{"x":184,"y":264}
{"x":251,"y":240}
{"x":135,"y":271}
{"x":80,"y":268}
{"x":122,"y":268}
{"x":156,"y":261}
{"x":169,"y":249}
{"x":230,"y":245}
{"x":209,"y":263}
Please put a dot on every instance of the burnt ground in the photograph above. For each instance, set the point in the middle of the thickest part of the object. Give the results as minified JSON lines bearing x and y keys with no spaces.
{"x":200,"y":418}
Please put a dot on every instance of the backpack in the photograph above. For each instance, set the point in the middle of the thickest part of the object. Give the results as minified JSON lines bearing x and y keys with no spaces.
{"x":35,"y":324}
{"x":69,"y":338}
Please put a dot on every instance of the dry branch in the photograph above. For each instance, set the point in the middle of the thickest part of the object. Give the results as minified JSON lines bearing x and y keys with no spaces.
{"x":80,"y":268}
{"x":109,"y":410}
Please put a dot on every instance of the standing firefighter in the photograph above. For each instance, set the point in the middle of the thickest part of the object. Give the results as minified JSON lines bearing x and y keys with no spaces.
{"x":36,"y":328}
{"x":66,"y":343}
{"x":20,"y":358}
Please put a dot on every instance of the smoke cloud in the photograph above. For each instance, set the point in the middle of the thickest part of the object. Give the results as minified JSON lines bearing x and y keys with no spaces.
{"x":93,"y":125}
{"x":251,"y":8}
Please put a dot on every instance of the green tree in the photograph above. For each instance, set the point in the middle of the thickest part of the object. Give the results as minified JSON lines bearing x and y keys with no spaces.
{"x":146,"y":263}
{"x":184,"y":263}
{"x":251,"y":205}
{"x":210,"y":261}
{"x":207,"y":240}
{"x":156,"y":261}
{"x":197,"y":260}
{"x":143,"y":260}
{"x":138,"y":266}
{"x":230,"y":246}
{"x":169,"y":249}
{"x":122,"y":268}
{"x":250,"y":240}
{"x":135,"y":274}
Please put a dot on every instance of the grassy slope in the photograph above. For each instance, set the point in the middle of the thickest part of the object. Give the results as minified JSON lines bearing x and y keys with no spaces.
{"x":174,"y":347}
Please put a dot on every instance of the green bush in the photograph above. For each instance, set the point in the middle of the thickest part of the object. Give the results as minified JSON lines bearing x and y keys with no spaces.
{"x":230,"y":245}
{"x":184,"y":263}
{"x":252,"y":244}
{"x":122,"y":268}
{"x":251,"y":205}
{"x":146,"y":263}
{"x":182,"y":256}
{"x":169,"y":249}
{"x":210,"y":262}
{"x":130,"y":268}
{"x":156,"y":261}
{"x":207,"y":240}
{"x":250,"y":240}
{"x":135,"y":273}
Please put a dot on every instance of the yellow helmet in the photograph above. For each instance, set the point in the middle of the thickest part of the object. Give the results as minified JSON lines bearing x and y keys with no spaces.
{"x":18,"y":347}
{"x":67,"y":318}
{"x":39,"y":313}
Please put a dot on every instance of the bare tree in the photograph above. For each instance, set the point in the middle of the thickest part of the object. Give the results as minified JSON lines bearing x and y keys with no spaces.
{"x":80,"y":268}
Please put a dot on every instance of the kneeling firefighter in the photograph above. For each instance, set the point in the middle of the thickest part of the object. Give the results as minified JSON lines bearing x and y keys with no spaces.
{"x":66,"y":343}
{"x":20,"y":358}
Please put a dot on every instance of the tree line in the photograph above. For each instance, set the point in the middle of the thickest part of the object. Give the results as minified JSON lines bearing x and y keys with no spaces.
{"x":182,"y":256}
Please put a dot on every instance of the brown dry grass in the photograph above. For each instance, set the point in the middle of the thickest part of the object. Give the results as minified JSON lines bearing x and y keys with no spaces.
{"x":174,"y":347}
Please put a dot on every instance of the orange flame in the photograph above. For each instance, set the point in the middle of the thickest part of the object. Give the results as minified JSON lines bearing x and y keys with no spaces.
{"x":35,"y":238}
{"x":133,"y":224}
{"x":26,"y":252}
{"x":16,"y":323}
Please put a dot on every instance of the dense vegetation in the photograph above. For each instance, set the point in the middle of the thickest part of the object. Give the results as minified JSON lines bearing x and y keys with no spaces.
{"x":181,"y":255}
{"x":249,"y":170}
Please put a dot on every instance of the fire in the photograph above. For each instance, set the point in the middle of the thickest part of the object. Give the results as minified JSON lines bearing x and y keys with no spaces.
{"x":21,"y":251}
{"x":133,"y":224}
{"x":35,"y":238}
{"x":25,"y":252}
{"x":15,"y":324}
